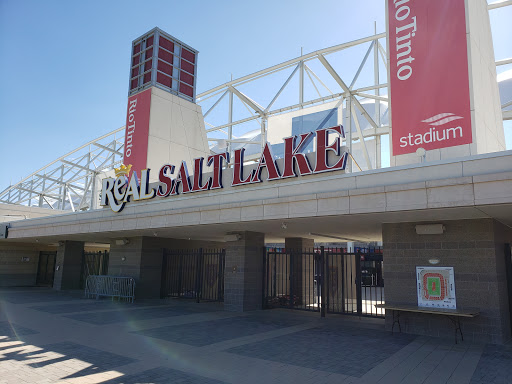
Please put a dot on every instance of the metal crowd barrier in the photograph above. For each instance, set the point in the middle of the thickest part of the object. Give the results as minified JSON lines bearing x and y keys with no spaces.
{"x":97,"y":286}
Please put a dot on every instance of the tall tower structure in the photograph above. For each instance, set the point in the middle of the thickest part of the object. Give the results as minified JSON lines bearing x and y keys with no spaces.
{"x":164,"y":125}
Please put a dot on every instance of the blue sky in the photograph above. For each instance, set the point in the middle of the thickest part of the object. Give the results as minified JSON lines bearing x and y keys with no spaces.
{"x":65,"y":63}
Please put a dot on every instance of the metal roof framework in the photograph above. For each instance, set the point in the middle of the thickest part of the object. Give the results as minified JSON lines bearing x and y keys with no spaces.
{"x":345,"y":94}
{"x":71,"y":182}
{"x":68,"y":182}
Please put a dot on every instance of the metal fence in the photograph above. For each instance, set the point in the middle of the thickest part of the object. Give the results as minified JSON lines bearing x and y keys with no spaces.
{"x":292,"y":279}
{"x":324,"y":280}
{"x":122,"y":288}
{"x":94,"y":263}
{"x":193,"y":274}
{"x":343,"y":281}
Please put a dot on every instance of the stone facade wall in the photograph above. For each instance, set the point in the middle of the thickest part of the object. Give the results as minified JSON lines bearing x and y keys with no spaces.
{"x":68,"y":265}
{"x":502,"y":236}
{"x":475,"y":248}
{"x":15,"y":269}
{"x":131,"y":252}
{"x":243,"y":279}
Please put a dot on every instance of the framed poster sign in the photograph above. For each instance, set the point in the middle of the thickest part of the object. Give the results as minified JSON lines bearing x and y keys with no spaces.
{"x":436,"y":287}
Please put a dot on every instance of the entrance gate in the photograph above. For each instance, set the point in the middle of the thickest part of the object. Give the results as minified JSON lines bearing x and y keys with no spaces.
{"x":46,"y":268}
{"x":93,"y":263}
{"x":193,"y":274}
{"x":324,"y":280}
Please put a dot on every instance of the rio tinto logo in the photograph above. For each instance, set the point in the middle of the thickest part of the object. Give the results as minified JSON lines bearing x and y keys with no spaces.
{"x":437,"y":131}
{"x":428,"y":75}
{"x":404,"y":34}
{"x":130,"y":129}
{"x":137,"y":130}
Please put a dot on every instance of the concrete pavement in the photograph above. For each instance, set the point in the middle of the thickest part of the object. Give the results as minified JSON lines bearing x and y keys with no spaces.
{"x":59,"y":337}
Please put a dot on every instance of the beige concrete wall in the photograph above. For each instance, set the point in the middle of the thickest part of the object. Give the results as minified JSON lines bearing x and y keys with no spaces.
{"x":486,"y":116}
{"x":14,"y":212}
{"x":176,"y":132}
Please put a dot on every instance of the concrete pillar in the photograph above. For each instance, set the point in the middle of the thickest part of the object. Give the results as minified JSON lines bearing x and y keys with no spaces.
{"x":298,"y":243}
{"x":140,"y":258}
{"x":475,"y":250}
{"x":68,"y":265}
{"x":302,"y":267}
{"x":243,"y":282}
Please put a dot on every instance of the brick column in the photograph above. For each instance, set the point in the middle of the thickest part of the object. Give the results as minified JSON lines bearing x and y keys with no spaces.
{"x":243,"y":282}
{"x":302,"y":267}
{"x":68,"y":265}
{"x":140,"y":258}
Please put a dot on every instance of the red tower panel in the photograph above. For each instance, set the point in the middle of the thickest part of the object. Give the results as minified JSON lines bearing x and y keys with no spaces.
{"x":160,"y":60}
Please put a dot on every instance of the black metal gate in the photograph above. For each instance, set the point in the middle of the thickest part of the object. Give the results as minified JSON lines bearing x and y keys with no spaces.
{"x":46,"y":268}
{"x":324,"y":280}
{"x":94,"y":263}
{"x":292,"y":279}
{"x":193,"y":274}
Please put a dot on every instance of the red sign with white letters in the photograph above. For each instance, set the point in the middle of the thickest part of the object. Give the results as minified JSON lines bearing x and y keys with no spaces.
{"x":137,"y":131}
{"x":429,"y":79}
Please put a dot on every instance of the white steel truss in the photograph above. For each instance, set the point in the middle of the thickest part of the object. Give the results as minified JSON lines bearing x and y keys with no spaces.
{"x":71,"y":182}
{"x":326,"y":85}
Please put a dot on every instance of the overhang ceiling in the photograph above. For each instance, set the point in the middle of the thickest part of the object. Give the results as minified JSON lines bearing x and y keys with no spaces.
{"x":359,"y":227}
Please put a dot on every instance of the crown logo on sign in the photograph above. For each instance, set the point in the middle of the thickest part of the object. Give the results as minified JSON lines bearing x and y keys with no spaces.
{"x":123,"y":170}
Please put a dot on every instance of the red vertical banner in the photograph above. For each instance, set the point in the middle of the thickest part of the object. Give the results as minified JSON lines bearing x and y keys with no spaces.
{"x":137,"y":131}
{"x":429,"y":79}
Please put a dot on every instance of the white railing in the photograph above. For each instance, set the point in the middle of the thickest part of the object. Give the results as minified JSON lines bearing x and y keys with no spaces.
{"x":72,"y":181}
